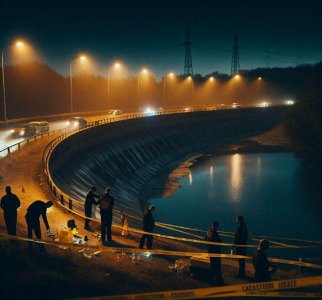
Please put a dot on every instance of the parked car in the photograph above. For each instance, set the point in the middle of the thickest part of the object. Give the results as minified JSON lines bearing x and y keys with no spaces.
{"x":78,"y":122}
{"x":23,"y":130}
{"x":115,"y":112}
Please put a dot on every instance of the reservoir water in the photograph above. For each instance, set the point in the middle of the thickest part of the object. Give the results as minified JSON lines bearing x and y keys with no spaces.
{"x":276,"y":196}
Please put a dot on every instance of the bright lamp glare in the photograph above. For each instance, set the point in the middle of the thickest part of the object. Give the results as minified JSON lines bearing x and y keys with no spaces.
{"x":211,"y":78}
{"x":144,"y":71}
{"x":82,"y":58}
{"x":289,"y":102}
{"x":19,"y":44}
{"x":117,"y":65}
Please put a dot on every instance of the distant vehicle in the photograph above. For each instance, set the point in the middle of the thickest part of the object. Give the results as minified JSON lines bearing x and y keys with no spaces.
{"x":23,"y":130}
{"x":235,"y":105}
{"x":40,"y":126}
{"x":77,"y":122}
{"x":115,"y":112}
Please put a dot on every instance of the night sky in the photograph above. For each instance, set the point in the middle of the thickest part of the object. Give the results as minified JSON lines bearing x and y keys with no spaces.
{"x":147,"y":33}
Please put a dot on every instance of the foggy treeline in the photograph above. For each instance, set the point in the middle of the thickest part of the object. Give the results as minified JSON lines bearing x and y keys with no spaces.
{"x":33,"y":88}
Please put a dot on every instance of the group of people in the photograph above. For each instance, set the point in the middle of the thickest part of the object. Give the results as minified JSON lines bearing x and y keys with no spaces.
{"x":261,"y":265}
{"x":10,"y":203}
{"x":106,"y":203}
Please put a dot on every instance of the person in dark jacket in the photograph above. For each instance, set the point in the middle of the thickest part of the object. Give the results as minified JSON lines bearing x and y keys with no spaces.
{"x":241,"y":238}
{"x":10,"y":203}
{"x":106,"y":207}
{"x":34,"y":211}
{"x":148,"y":226}
{"x":89,"y":202}
{"x":262,"y":267}
{"x":213,"y":236}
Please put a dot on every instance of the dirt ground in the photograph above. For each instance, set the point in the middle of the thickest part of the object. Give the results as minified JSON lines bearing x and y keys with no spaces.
{"x":71,"y":273}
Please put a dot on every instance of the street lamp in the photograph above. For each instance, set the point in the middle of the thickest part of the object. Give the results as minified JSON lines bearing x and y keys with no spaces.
{"x":144,"y":72}
{"x":82,"y":59}
{"x":20,"y":45}
{"x":115,"y":66}
{"x":170,"y":75}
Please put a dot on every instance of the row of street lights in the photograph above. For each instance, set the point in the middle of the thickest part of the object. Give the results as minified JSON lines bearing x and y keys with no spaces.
{"x":116,"y":66}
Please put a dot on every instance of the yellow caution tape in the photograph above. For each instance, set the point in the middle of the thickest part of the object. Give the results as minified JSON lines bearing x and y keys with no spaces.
{"x":240,"y":290}
{"x":170,"y":236}
{"x":285,"y":294}
{"x":229,"y":234}
{"x":222,"y":233}
{"x":197,"y":255}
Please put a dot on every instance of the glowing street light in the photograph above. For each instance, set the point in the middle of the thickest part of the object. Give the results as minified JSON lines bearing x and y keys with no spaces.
{"x":259,"y":78}
{"x":237,"y":76}
{"x":143,"y":72}
{"x":82,"y":59}
{"x":170,"y":75}
{"x":19,"y":45}
{"x":116,"y":66}
{"x":211,"y":78}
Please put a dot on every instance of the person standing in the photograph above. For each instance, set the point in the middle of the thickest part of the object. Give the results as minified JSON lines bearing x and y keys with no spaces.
{"x":34,"y":211}
{"x":89,"y":202}
{"x":148,"y":226}
{"x":106,"y":207}
{"x":10,"y":203}
{"x":213,"y":236}
{"x":241,"y":238}
{"x":262,"y":267}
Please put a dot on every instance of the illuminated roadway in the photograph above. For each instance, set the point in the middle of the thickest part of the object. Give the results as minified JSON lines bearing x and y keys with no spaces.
{"x":7,"y":140}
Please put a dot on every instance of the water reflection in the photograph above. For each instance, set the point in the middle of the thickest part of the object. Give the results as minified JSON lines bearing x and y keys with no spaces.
{"x":272,"y":191}
{"x":235,"y":177}
{"x":190,"y":177}
{"x":211,"y":171}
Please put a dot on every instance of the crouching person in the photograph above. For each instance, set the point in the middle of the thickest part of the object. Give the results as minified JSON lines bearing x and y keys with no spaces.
{"x":34,"y":211}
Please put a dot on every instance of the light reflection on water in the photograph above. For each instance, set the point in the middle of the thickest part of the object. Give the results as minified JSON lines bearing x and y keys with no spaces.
{"x":275,"y":195}
{"x":235,"y":176}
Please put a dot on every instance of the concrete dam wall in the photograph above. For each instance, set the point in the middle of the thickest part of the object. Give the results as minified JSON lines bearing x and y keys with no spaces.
{"x":127,"y":154}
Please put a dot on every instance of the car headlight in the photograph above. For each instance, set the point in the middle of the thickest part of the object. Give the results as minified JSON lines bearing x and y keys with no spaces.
{"x":22,"y":132}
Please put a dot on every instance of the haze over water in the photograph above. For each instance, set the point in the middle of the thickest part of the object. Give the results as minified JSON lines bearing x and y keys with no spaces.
{"x":271,"y":190}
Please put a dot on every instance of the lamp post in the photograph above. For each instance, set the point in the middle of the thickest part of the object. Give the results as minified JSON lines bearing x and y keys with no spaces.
{"x":116,"y":66}
{"x":82,"y":58}
{"x":193,"y":91}
{"x":170,"y":75}
{"x":143,"y":72}
{"x":18,"y":44}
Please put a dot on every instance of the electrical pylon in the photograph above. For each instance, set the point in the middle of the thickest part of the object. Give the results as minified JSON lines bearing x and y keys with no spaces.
{"x":235,"y":68}
{"x":188,"y":70}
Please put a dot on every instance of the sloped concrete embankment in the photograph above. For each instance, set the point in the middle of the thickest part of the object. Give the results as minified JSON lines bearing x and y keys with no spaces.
{"x":127,"y":154}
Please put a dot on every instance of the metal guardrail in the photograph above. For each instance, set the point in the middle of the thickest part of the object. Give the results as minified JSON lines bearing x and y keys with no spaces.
{"x":72,"y":202}
{"x":46,"y":117}
{"x":17,"y":146}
